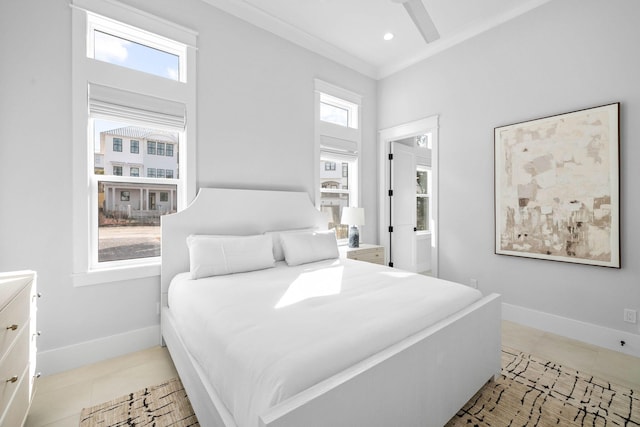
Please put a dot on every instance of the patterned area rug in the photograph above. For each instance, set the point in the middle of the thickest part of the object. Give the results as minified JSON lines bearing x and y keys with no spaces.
{"x":161,"y":405}
{"x":533,"y":392}
{"x":530,"y":392}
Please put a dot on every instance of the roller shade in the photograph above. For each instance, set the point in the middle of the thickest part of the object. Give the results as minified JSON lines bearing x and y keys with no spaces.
{"x":130,"y":106}
{"x":337,"y":145}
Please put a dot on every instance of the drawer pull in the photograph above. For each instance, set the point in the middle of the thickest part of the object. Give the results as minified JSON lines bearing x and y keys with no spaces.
{"x":13,"y":379}
{"x":12,"y":327}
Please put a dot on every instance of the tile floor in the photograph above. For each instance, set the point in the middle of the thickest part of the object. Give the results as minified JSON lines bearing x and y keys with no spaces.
{"x":60,"y":398}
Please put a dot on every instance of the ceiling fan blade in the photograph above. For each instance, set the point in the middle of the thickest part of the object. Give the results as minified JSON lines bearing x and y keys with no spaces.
{"x":421,"y":18}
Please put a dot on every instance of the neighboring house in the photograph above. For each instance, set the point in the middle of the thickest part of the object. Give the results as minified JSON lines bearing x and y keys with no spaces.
{"x":137,"y":153}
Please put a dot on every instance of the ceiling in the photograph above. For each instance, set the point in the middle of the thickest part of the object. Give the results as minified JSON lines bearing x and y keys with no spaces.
{"x":351,"y":31}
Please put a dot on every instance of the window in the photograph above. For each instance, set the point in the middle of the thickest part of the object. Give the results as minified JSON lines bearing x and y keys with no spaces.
{"x":169,"y":150}
{"x":164,"y":196}
{"x":423,"y":192}
{"x":160,"y":173}
{"x":338,"y":111}
{"x":136,"y":106}
{"x":123,"y":45}
{"x":160,"y":149}
{"x":338,"y":140}
{"x":169,"y":174}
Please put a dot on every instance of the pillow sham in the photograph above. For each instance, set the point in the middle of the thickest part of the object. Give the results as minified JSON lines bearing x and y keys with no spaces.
{"x":220,"y":255}
{"x":278,"y":253}
{"x":302,"y":248}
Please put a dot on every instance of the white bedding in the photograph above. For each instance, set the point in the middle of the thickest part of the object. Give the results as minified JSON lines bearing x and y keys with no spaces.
{"x":263,"y":336}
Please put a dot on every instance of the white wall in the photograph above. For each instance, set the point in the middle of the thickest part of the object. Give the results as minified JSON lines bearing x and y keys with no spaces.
{"x":563,"y":56}
{"x":255,"y":113}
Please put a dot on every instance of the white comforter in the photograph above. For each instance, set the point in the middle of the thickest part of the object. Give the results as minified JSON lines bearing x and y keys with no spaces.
{"x":263,"y":336}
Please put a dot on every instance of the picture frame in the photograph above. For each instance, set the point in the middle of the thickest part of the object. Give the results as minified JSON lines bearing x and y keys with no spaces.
{"x":557,"y":187}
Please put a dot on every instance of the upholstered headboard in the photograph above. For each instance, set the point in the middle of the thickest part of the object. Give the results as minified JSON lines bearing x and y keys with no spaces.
{"x":231,"y":212}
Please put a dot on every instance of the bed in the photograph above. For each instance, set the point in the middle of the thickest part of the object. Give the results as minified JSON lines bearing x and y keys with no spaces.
{"x":421,"y":378}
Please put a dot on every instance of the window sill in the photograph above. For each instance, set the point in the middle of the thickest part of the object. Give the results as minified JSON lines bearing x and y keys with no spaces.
{"x":116,"y":274}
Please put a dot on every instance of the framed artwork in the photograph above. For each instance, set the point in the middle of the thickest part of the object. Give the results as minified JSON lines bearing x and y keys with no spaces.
{"x":557,"y":187}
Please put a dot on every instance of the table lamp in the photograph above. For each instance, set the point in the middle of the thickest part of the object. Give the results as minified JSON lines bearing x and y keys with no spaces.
{"x":353,"y":217}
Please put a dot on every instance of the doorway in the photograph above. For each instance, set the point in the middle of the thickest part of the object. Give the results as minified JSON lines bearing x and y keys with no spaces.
{"x":408,"y":196}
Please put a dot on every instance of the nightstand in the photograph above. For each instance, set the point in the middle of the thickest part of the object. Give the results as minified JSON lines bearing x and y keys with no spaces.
{"x":367,"y":253}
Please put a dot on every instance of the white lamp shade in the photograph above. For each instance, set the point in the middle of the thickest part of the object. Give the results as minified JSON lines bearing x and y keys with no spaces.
{"x":352,"y":216}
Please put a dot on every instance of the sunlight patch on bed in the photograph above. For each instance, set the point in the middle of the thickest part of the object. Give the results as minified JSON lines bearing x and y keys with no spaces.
{"x":400,"y":274}
{"x":313,"y":284}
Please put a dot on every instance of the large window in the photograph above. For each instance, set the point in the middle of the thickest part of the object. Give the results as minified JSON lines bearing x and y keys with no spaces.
{"x":338,"y":139}
{"x":117,"y":58}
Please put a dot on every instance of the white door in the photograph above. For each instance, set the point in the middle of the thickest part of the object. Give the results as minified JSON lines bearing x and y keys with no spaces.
{"x":403,"y":207}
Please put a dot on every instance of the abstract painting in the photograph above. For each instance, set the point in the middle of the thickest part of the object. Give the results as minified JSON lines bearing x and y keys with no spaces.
{"x":557,"y":187}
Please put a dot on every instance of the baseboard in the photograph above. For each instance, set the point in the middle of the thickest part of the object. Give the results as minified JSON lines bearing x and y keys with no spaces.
{"x":586,"y":332}
{"x":62,"y":359}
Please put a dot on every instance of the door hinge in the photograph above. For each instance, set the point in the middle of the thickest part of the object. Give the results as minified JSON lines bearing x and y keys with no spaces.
{"x":390,"y":193}
{"x":391,"y":229}
{"x":390,"y":156}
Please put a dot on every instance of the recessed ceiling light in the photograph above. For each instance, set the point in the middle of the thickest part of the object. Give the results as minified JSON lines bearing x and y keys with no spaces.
{"x":388,"y":36}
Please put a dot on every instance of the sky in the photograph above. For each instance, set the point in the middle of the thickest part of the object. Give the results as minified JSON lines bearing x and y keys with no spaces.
{"x":116,"y":50}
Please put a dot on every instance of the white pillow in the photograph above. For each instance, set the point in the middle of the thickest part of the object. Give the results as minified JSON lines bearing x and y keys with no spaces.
{"x":301,"y":248}
{"x":278,"y":253}
{"x":219,"y":255}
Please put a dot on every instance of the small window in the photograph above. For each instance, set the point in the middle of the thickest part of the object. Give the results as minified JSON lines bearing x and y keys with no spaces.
{"x":338,"y":111}
{"x":160,"y":173}
{"x":169,"y":173}
{"x":126,"y":46}
{"x":134,"y":171}
{"x":160,"y":149}
{"x":164,"y":196}
{"x":117,"y":144}
{"x":117,"y":170}
{"x":151,"y":147}
{"x":151,"y":172}
{"x":169,"y":151}
{"x":334,"y":114}
{"x":423,"y":185}
{"x":329,"y":166}
{"x":135,"y":147}
{"x":125,"y":196}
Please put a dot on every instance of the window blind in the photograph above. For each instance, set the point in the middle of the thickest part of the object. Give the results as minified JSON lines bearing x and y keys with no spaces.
{"x":112,"y":103}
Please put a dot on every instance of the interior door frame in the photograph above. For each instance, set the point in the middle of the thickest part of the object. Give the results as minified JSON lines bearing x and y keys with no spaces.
{"x":385,"y":136}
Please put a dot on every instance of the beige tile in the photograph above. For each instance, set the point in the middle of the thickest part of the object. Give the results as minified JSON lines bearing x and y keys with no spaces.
{"x":618,"y":368}
{"x":567,"y":352}
{"x":520,"y":337}
{"x":71,"y":421}
{"x":56,"y":405}
{"x":153,"y":371}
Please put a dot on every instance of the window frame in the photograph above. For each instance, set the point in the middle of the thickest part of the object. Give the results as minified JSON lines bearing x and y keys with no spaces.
{"x":346,"y":141}
{"x":88,"y":70}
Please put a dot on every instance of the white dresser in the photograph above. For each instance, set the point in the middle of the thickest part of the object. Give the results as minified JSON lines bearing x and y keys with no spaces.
{"x":17,"y":345}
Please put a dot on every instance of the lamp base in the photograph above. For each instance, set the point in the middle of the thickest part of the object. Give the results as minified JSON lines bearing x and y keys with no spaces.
{"x":354,"y":237}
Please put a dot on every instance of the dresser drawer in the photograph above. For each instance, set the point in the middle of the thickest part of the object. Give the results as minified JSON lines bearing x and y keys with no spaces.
{"x":15,"y":315}
{"x":14,"y":365}
{"x":16,"y":413}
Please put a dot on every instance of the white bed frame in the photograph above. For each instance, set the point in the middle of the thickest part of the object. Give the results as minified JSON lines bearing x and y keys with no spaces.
{"x":421,"y":381}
